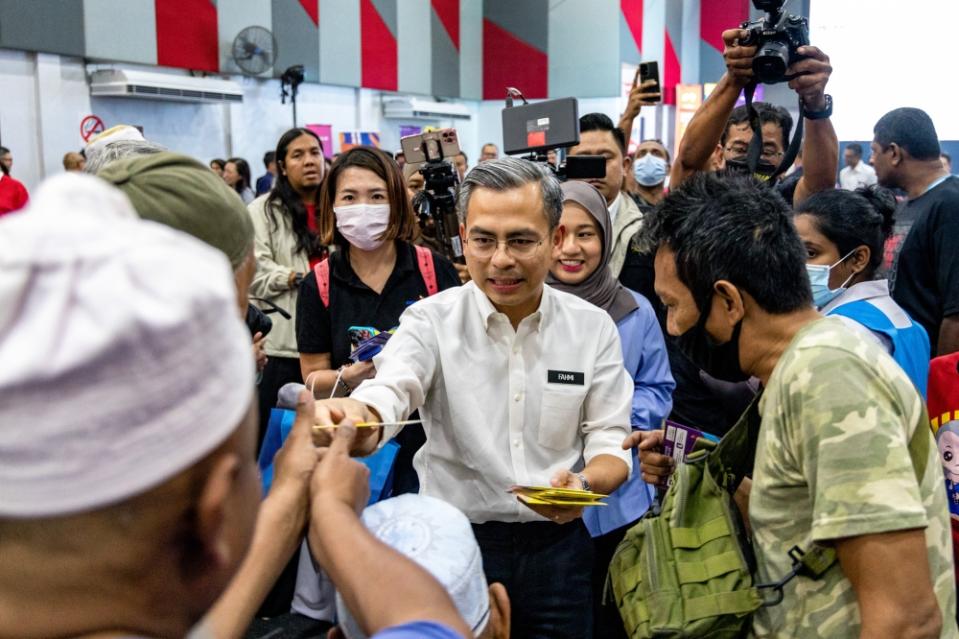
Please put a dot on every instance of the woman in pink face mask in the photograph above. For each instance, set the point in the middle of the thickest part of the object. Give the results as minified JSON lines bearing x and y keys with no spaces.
{"x":373,"y":274}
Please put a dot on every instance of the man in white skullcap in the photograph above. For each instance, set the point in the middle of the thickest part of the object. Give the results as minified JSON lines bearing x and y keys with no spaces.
{"x":128,"y":487}
{"x":439,"y":538}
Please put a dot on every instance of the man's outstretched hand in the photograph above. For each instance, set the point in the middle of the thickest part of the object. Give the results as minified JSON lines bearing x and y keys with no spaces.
{"x":338,"y":478}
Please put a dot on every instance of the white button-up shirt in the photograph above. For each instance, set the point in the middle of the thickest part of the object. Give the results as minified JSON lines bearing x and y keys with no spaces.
{"x":502,"y":407}
{"x":851,"y":178}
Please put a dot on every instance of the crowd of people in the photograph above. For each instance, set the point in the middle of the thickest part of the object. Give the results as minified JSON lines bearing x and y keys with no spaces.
{"x":162,"y":319}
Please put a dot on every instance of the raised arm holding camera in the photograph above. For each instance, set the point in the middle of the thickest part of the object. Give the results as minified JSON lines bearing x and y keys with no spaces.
{"x":780,"y":53}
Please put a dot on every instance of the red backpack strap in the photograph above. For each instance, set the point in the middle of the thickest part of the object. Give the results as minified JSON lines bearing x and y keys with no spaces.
{"x":322,"y":272}
{"x":424,"y":257}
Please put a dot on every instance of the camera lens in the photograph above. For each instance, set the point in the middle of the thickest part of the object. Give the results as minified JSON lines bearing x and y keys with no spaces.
{"x":771,"y":62}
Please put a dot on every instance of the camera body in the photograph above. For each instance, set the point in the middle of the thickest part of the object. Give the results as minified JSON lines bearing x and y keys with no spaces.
{"x":777,"y":37}
{"x":546,"y":126}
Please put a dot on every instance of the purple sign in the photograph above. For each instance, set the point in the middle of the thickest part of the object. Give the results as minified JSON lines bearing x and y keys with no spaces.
{"x":325,"y":133}
{"x":407,"y":130}
{"x":758,"y":96}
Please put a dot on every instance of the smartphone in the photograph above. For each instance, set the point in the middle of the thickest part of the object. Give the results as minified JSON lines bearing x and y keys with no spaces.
{"x":650,"y":71}
{"x":431,"y":146}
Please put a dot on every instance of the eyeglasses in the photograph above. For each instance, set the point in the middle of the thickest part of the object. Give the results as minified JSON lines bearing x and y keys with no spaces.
{"x":768,"y":151}
{"x":485,"y":247}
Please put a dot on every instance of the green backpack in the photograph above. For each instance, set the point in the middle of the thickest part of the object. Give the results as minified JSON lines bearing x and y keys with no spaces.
{"x":687,"y":571}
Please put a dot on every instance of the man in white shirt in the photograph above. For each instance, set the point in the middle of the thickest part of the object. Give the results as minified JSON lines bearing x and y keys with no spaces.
{"x":517,"y":384}
{"x":857,"y":173}
{"x":599,"y":136}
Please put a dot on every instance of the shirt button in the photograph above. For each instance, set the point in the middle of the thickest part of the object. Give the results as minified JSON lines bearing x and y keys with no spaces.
{"x":516,"y":443}
{"x":517,"y":397}
{"x":516,"y":350}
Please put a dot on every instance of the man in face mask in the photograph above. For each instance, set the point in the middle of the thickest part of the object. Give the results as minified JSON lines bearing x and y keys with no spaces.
{"x":836,"y":414}
{"x":717,"y":125}
{"x":650,"y":170}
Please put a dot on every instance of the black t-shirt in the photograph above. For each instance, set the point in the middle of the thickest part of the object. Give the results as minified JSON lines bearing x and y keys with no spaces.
{"x":353,"y":303}
{"x":927,"y":271}
{"x":787,"y":186}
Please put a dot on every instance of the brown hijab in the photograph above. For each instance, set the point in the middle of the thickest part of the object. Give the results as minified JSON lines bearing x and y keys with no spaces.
{"x":600,"y":288}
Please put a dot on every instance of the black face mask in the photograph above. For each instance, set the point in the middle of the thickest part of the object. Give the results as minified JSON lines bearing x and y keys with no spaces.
{"x":764,"y":170}
{"x":717,"y":360}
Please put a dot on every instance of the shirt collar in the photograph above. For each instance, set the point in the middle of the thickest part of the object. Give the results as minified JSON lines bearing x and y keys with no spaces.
{"x":487,"y":311}
{"x":858,"y":292}
{"x":615,"y":207}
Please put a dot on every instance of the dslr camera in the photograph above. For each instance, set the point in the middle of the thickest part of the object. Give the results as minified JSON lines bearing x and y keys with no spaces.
{"x":777,"y":36}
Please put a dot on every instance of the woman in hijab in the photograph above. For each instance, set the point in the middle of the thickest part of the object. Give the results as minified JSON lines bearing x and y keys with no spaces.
{"x":581,"y":267}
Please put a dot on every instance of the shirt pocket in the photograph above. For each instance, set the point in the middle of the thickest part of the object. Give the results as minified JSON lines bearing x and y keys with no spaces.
{"x":560,"y":417}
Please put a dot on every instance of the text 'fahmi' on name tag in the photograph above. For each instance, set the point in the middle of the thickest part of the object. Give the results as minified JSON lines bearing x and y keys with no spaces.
{"x":566,"y":377}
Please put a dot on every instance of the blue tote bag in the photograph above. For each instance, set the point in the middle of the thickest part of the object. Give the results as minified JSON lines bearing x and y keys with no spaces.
{"x":380,"y":463}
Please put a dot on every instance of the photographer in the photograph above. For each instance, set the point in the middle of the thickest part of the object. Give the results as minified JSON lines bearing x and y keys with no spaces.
{"x":517,"y":383}
{"x":718,"y":123}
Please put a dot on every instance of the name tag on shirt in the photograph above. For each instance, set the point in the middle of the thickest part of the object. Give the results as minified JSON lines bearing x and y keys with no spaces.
{"x":566,"y":377}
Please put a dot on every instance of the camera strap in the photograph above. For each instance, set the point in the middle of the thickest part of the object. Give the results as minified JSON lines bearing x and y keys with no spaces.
{"x":756,"y":146}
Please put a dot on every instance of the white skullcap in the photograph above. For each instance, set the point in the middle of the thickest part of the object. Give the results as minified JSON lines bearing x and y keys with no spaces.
{"x":113,"y":134}
{"x":439,"y":538}
{"x":123,"y":360}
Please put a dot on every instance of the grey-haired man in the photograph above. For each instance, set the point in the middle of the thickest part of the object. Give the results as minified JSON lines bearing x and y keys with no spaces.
{"x":516,"y":384}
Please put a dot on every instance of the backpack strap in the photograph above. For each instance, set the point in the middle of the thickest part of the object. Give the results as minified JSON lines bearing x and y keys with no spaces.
{"x":322,"y":272}
{"x":424,"y":258}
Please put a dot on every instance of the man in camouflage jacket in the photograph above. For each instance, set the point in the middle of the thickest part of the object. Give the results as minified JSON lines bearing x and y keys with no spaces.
{"x":832,"y":462}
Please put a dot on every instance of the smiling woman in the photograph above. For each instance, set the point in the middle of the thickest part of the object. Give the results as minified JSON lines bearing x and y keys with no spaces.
{"x":581,"y":267}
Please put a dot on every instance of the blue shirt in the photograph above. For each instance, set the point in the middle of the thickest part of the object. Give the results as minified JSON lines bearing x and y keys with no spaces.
{"x":644,"y":354}
{"x":264,"y":183}
{"x":418,"y":630}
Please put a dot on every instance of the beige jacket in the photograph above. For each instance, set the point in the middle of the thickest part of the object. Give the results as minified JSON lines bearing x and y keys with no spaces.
{"x":629,"y":219}
{"x":276,"y":258}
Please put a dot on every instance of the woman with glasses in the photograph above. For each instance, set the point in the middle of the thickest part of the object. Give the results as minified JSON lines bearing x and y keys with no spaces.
{"x":580,"y":268}
{"x":372,"y":276}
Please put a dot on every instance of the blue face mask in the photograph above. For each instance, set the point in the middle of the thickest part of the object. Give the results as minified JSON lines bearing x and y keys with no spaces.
{"x":819,"y":281}
{"x":649,"y":170}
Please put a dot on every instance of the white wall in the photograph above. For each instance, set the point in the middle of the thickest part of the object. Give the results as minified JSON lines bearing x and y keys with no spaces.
{"x":43,"y":98}
{"x":871,"y":78}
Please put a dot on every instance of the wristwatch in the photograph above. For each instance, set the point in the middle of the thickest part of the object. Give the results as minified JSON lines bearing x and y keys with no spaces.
{"x":819,"y":115}
{"x":584,"y":481}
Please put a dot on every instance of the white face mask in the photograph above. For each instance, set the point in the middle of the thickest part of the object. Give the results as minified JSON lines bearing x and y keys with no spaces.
{"x":363,"y":224}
